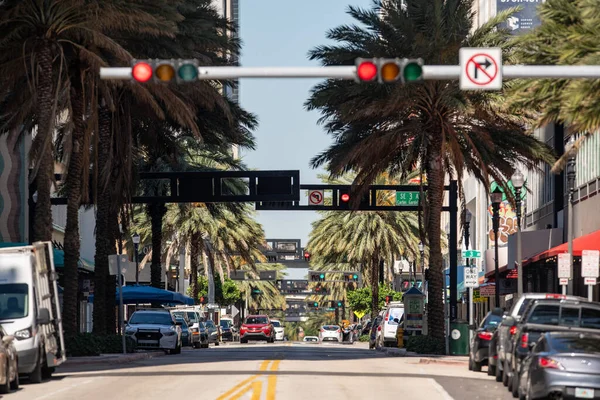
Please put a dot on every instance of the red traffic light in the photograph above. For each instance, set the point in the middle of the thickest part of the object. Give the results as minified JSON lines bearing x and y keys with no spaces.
{"x":142,"y":72}
{"x":366,"y":71}
{"x":306,"y":254}
{"x":345,"y":197}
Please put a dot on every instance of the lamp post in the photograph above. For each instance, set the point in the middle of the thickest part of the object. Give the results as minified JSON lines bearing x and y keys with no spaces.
{"x":468,"y":217}
{"x":496,"y":197}
{"x":518,"y":180}
{"x":136,"y":245}
{"x":571,"y":174}
{"x":422,"y":253}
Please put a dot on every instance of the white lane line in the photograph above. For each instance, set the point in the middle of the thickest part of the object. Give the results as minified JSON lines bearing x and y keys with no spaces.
{"x":51,"y":394}
{"x":440,"y":390}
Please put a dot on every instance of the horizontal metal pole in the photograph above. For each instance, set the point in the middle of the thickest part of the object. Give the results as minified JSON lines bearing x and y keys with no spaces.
{"x":340,"y":72}
{"x":115,"y":73}
{"x":551,"y":71}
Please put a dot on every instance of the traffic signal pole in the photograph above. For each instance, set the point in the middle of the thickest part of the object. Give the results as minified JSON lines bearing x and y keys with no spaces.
{"x":430,"y":72}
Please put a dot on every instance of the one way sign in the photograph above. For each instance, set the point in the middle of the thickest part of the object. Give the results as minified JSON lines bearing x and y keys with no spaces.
{"x":480,"y":68}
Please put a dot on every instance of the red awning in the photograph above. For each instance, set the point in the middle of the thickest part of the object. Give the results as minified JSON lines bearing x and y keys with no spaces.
{"x":587,"y":242}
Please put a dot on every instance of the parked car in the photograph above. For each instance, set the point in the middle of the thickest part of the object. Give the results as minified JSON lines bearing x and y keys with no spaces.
{"x":479,"y":349}
{"x":199,"y":329}
{"x":227,"y":329}
{"x":391,"y":314}
{"x":279,"y":330}
{"x":155,"y":329}
{"x":561,"y":365}
{"x":330,"y":333}
{"x":375,"y":331}
{"x":257,"y":327}
{"x":213,"y":332}
{"x":9,"y":364}
{"x":186,"y":339}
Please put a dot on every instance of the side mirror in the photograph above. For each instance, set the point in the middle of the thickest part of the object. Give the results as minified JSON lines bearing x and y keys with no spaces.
{"x":396,"y":320}
{"x":8,"y":339}
{"x":43,"y":316}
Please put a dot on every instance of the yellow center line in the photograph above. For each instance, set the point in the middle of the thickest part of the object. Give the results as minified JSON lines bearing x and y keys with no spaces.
{"x":263,"y":367}
{"x":272,"y":381}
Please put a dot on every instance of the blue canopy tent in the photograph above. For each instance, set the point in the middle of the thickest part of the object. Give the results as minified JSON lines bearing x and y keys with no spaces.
{"x":149,"y":294}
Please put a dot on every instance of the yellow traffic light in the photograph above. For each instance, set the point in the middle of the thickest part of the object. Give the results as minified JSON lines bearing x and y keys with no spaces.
{"x":389,"y":71}
{"x":165,"y":72}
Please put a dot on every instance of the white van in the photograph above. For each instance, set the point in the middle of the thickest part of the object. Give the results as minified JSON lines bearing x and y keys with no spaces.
{"x":30,"y":309}
{"x":394,"y":310}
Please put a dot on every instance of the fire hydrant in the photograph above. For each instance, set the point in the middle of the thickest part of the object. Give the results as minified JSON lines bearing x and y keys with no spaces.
{"x":400,"y":337}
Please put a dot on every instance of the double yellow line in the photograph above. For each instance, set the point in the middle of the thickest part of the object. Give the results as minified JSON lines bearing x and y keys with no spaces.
{"x":254,"y":384}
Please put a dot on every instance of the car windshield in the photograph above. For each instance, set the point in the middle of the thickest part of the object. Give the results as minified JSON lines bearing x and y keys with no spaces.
{"x":575,"y":344}
{"x":192,"y":317}
{"x":179,"y":314}
{"x":180,"y":319}
{"x":330,"y":327}
{"x":156,"y":318}
{"x":14,"y":300}
{"x":209,"y":324}
{"x":257,"y":320}
{"x":225,"y":323}
{"x":492,"y":321}
{"x":276,"y":324}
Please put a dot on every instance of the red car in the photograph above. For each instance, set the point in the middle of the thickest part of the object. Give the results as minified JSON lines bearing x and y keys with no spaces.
{"x":257,"y":327}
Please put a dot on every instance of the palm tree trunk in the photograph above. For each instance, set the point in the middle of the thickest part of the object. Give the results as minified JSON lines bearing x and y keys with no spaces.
{"x":114,"y":235}
{"x":103,"y":234}
{"x":435,"y":201}
{"x":157,"y":212}
{"x":72,"y":241}
{"x":42,"y":225}
{"x":375,"y":287}
{"x":194,"y":264}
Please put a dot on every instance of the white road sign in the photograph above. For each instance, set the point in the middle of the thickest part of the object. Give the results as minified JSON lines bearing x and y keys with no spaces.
{"x":316,"y":198}
{"x":590,"y":281}
{"x":563,"y":281}
{"x":471,"y":277}
{"x":590,"y":263}
{"x":564,"y":265}
{"x":480,"y":68}
{"x":234,"y":311}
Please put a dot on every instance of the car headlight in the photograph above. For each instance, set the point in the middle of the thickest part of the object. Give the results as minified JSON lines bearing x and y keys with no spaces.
{"x":23,"y":334}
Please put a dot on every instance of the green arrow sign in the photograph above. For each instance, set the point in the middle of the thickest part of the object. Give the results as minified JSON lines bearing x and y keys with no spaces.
{"x":471,"y":254}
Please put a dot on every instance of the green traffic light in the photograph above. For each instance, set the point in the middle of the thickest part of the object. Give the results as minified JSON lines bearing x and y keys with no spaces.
{"x":322,"y":276}
{"x":355,"y":276}
{"x":316,"y":304}
{"x":188,"y":72}
{"x":412,"y":71}
{"x":339,"y":304}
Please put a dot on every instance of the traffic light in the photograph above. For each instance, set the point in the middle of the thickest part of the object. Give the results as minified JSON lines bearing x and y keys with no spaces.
{"x":321,"y":290}
{"x":316,"y":276}
{"x":389,"y":70}
{"x":351,"y":277}
{"x":306,"y":256}
{"x":345,"y":199}
{"x":313,"y":304}
{"x":388,"y":299}
{"x":203,"y":300}
{"x":339,"y":304}
{"x":164,"y":70}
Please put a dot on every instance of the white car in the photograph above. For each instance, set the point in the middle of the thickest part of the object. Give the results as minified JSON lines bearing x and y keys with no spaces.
{"x":310,"y":339}
{"x":279,"y":331}
{"x":330,"y":333}
{"x":395,"y":310}
{"x":155,"y":329}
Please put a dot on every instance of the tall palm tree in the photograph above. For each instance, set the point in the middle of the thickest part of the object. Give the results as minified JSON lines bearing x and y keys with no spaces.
{"x":433,"y":126}
{"x":568,"y":35}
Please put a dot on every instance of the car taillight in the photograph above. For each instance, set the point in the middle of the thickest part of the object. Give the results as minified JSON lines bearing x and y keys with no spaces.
{"x":555,"y":296}
{"x":513,"y":330}
{"x":545,"y":362}
{"x":525,"y":340}
{"x":485,"y":335}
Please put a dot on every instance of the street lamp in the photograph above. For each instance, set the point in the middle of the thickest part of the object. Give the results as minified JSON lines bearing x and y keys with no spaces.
{"x":571,"y":174}
{"x":496,"y":197}
{"x":422,"y":253}
{"x":518,"y":180}
{"x":136,"y":244}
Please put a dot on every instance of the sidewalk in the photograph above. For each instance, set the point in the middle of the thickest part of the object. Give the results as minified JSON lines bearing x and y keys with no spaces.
{"x":113,"y":358}
{"x":425,"y":358}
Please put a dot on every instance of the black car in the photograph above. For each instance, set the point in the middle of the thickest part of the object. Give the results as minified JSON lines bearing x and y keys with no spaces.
{"x":562,"y":365}
{"x":227,"y":330}
{"x":480,"y":344}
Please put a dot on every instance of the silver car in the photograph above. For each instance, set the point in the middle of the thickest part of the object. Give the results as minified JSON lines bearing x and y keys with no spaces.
{"x":155,"y":329}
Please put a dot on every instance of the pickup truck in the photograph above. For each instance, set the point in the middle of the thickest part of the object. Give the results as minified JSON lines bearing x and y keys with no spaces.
{"x":547,"y":316}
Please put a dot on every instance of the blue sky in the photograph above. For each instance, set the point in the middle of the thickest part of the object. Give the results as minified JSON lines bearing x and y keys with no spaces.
{"x":280,"y":33}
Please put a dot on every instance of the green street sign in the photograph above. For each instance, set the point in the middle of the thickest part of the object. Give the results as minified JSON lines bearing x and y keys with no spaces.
{"x":471,"y":254}
{"x":407,"y":198}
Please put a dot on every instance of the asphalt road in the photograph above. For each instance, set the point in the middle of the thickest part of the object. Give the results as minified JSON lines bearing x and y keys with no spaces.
{"x":293,"y":371}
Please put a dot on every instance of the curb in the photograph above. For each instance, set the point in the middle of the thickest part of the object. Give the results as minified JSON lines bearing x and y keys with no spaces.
{"x":446,"y":362}
{"x":74,"y":361}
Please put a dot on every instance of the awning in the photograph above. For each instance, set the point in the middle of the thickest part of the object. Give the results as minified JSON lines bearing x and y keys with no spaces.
{"x":149,"y":294}
{"x":587,"y":242}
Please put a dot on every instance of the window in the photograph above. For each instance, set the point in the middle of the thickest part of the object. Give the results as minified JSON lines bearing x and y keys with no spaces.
{"x":492,"y":321}
{"x":545,"y":314}
{"x":523,"y":307}
{"x":257,"y":320}
{"x":590,"y":318}
{"x":209,"y":324}
{"x":151,"y":318}
{"x":192,"y":316}
{"x":569,"y":316}
{"x":331,"y":327}
{"x":14,"y":300}
{"x":225,"y":323}
{"x":581,"y":343}
{"x":276,"y":324}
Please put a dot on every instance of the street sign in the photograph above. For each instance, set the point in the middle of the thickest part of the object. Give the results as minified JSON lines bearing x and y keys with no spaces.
{"x":590,"y":281}
{"x":480,"y":68}
{"x":407,"y":198}
{"x":590,"y":263}
{"x":113,"y":263}
{"x":471,"y":254}
{"x":471,"y":277}
{"x":316,"y":198}
{"x":488,"y":291}
{"x":359,"y":314}
{"x":234,"y":311}
{"x":563,"y":281}
{"x":564,"y":266}
{"x":237,"y":275}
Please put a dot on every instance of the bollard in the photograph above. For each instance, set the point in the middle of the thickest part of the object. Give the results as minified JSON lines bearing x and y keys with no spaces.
{"x":400,"y":337}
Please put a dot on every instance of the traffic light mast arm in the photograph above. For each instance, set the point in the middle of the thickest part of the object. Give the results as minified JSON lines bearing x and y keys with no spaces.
{"x":430,"y":72}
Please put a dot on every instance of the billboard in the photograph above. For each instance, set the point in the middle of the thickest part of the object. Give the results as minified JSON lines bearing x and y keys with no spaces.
{"x":508,"y":217}
{"x":521,"y":21}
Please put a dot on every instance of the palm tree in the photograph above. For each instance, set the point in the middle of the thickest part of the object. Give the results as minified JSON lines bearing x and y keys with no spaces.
{"x":568,"y":35}
{"x":432,"y":126}
{"x":350,"y":239}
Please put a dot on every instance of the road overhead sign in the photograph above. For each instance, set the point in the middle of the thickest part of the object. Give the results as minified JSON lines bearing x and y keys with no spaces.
{"x":316,"y":198}
{"x":471,"y":254}
{"x":480,"y":68}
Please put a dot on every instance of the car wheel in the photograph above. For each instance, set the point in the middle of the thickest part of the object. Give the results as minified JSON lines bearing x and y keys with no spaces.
{"x":36,"y":375}
{"x":505,"y":374}
{"x":205,"y":346}
{"x":5,"y":388}
{"x":217,"y":343}
{"x":476,"y":366}
{"x":498,"y":372}
{"x":491,"y":370}
{"x":470,"y":364}
{"x":14,"y":385}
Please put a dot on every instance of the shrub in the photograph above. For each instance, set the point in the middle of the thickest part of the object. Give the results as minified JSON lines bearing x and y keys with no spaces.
{"x":363,"y":338}
{"x":425,"y":345}
{"x":89,"y":344}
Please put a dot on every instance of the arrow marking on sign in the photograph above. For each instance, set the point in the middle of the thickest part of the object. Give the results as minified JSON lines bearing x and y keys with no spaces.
{"x":483,"y":66}
{"x":315,"y":197}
